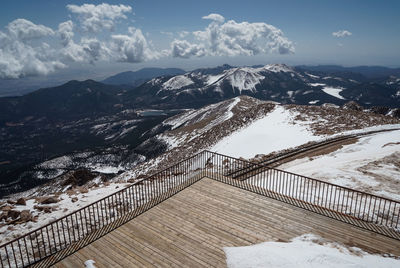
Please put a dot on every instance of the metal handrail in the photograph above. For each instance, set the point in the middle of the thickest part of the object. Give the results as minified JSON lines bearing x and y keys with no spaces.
{"x":61,"y":237}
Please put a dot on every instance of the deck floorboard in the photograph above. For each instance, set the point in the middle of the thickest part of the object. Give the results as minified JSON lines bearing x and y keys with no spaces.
{"x":191,"y":228}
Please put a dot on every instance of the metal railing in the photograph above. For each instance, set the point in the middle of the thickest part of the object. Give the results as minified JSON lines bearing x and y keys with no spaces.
{"x":368,"y":211}
{"x":58,"y":239}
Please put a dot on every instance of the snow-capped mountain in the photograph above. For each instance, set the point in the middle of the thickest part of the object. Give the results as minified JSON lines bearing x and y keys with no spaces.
{"x":274,"y":82}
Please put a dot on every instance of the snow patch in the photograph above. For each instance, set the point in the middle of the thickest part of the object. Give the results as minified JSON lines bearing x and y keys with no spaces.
{"x":90,"y":264}
{"x":245,"y":79}
{"x":213,"y":78}
{"x":316,"y":84}
{"x":333,"y":91}
{"x":177,"y":82}
{"x":312,"y":76}
{"x":304,"y":252}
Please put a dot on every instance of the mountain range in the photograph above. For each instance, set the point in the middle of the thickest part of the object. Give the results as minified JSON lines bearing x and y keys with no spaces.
{"x":96,"y":123}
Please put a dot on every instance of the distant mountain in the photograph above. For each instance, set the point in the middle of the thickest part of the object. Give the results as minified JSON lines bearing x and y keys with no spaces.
{"x":74,"y":99}
{"x":367,"y":71}
{"x":141,"y":76}
{"x":275,"y":82}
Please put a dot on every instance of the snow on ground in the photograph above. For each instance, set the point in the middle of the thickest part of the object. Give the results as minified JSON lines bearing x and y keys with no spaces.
{"x":304,"y":251}
{"x":333,"y":91}
{"x":371,"y":165}
{"x":312,"y":76}
{"x":213,"y":78}
{"x":177,"y":82}
{"x":271,"y":133}
{"x":245,"y":79}
{"x":63,"y":207}
{"x":317,"y":84}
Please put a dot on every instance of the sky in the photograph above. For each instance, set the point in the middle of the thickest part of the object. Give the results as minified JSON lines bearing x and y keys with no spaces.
{"x":48,"y":40}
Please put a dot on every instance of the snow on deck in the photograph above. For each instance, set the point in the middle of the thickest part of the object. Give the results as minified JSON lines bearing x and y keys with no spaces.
{"x":305,"y":251}
{"x":371,"y":164}
{"x":274,"y":132}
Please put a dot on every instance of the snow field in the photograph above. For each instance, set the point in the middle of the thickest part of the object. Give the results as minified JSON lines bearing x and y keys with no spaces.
{"x":270,"y":133}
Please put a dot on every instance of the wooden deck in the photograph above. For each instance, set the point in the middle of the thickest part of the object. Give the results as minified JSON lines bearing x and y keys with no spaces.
{"x":191,"y":228}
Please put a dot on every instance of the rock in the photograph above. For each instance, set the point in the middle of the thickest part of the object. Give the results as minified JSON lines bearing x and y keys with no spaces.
{"x":71,"y":192}
{"x":131,"y":180}
{"x":25,"y":216}
{"x":74,"y":199}
{"x":352,"y":105}
{"x":83,"y":190}
{"x":11,"y":228}
{"x":7,"y":208}
{"x":21,"y":202}
{"x":380,"y":110}
{"x":45,"y":209}
{"x":49,"y":200}
{"x":106,"y":183}
{"x":13,"y":214}
{"x":396,"y":112}
{"x":80,"y":177}
{"x":11,"y":202}
{"x":3,"y":216}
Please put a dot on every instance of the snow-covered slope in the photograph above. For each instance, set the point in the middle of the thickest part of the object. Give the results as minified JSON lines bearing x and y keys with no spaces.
{"x":271,"y":133}
{"x":177,"y":82}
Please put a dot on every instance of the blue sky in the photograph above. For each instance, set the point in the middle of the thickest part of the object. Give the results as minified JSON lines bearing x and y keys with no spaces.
{"x":306,"y":38}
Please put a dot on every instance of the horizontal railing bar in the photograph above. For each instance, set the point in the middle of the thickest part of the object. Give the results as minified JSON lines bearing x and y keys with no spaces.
{"x":288,"y":172}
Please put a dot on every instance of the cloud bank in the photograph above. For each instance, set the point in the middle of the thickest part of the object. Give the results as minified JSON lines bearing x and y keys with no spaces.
{"x":95,"y":18}
{"x":25,"y":49}
{"x":29,"y":49}
{"x":20,"y":56}
{"x":233,"y":38}
{"x":341,"y":33}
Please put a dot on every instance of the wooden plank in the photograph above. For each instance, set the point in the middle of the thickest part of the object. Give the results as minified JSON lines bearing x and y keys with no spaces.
{"x":191,"y":228}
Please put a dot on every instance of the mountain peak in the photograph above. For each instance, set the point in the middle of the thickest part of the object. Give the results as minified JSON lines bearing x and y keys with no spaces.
{"x":278,"y":67}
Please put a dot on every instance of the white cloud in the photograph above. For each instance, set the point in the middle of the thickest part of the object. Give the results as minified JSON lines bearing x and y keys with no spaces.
{"x":183,"y":34}
{"x":214,"y":17}
{"x":20,"y":57}
{"x":232,"y":39}
{"x":97,"y":17}
{"x":132,"y":48}
{"x":341,"y":33}
{"x":65,"y":30}
{"x":184,"y":49}
{"x":22,"y":29}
